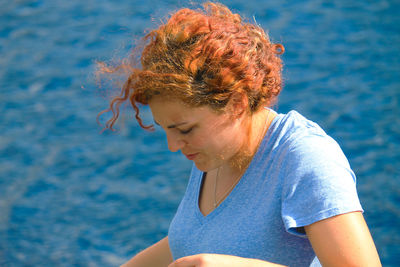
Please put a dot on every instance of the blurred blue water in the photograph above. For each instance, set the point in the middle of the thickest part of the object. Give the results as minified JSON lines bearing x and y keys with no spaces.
{"x":70,"y":196}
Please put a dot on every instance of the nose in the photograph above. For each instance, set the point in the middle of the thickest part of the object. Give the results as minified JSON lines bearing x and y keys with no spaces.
{"x":175,"y":143}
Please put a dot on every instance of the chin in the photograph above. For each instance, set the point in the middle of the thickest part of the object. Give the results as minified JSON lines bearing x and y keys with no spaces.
{"x":205,"y":166}
{"x":202,"y":167}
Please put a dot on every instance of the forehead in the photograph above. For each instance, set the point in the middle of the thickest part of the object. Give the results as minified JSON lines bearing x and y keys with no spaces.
{"x":166,"y":112}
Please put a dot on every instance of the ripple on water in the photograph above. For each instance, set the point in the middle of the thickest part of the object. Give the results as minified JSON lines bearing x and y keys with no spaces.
{"x":70,"y":196}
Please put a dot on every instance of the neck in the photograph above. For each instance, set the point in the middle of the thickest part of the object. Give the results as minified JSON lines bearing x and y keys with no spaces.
{"x":256,"y":125}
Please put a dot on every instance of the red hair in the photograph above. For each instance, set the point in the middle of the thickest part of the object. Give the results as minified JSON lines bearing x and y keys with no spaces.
{"x":202,"y":57}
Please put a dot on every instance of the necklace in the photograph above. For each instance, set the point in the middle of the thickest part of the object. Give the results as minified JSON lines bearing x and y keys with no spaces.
{"x":216,"y":203}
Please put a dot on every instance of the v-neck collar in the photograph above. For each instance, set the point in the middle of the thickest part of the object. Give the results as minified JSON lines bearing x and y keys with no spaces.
{"x":231,"y":196}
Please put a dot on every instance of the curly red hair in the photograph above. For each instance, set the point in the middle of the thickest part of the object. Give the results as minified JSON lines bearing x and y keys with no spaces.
{"x":202,"y":57}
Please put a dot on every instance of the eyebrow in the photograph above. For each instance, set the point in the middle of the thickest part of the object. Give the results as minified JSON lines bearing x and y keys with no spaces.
{"x":172,"y":125}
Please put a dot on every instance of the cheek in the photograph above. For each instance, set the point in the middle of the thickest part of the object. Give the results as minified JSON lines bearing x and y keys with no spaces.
{"x":213,"y":138}
{"x":212,"y":142}
{"x":229,"y":142}
{"x":199,"y":142}
{"x":205,"y":141}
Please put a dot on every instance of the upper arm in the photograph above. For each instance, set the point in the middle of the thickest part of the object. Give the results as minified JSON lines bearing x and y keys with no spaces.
{"x":158,"y":254}
{"x":343,"y":240}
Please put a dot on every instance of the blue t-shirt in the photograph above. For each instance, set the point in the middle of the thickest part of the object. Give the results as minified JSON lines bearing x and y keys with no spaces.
{"x":299,"y":175}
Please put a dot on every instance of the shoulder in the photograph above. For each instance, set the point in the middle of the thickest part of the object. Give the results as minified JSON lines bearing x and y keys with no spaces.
{"x":302,"y":145}
{"x":293,"y":125}
{"x":294,"y":132}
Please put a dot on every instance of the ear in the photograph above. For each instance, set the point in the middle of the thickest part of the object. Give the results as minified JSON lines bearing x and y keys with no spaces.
{"x":238,"y":104}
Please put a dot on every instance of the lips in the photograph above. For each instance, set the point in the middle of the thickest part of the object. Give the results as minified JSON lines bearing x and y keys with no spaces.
{"x":191,"y":156}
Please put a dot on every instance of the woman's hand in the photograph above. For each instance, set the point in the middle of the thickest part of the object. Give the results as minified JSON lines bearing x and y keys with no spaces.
{"x":218,"y":260}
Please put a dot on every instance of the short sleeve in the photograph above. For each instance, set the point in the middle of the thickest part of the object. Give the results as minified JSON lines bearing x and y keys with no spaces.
{"x":318,"y":183}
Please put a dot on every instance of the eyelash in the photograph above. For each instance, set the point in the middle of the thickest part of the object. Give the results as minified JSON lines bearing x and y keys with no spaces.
{"x":186,"y":132}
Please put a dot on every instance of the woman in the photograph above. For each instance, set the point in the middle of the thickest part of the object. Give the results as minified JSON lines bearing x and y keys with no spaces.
{"x":265,"y":189}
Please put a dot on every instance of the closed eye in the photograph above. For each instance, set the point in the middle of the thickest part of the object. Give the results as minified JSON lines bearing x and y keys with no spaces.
{"x":186,"y":131}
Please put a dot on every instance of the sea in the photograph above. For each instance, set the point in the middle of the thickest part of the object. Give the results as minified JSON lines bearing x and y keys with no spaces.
{"x":74,"y":195}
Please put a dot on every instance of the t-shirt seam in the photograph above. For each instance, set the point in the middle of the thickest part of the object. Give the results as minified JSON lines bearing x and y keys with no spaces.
{"x":321,"y":215}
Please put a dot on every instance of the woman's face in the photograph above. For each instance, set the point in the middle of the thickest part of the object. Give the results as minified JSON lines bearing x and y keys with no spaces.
{"x":203,"y":136}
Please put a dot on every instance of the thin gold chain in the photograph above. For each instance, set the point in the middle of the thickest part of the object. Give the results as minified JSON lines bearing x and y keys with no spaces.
{"x":216,"y":203}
